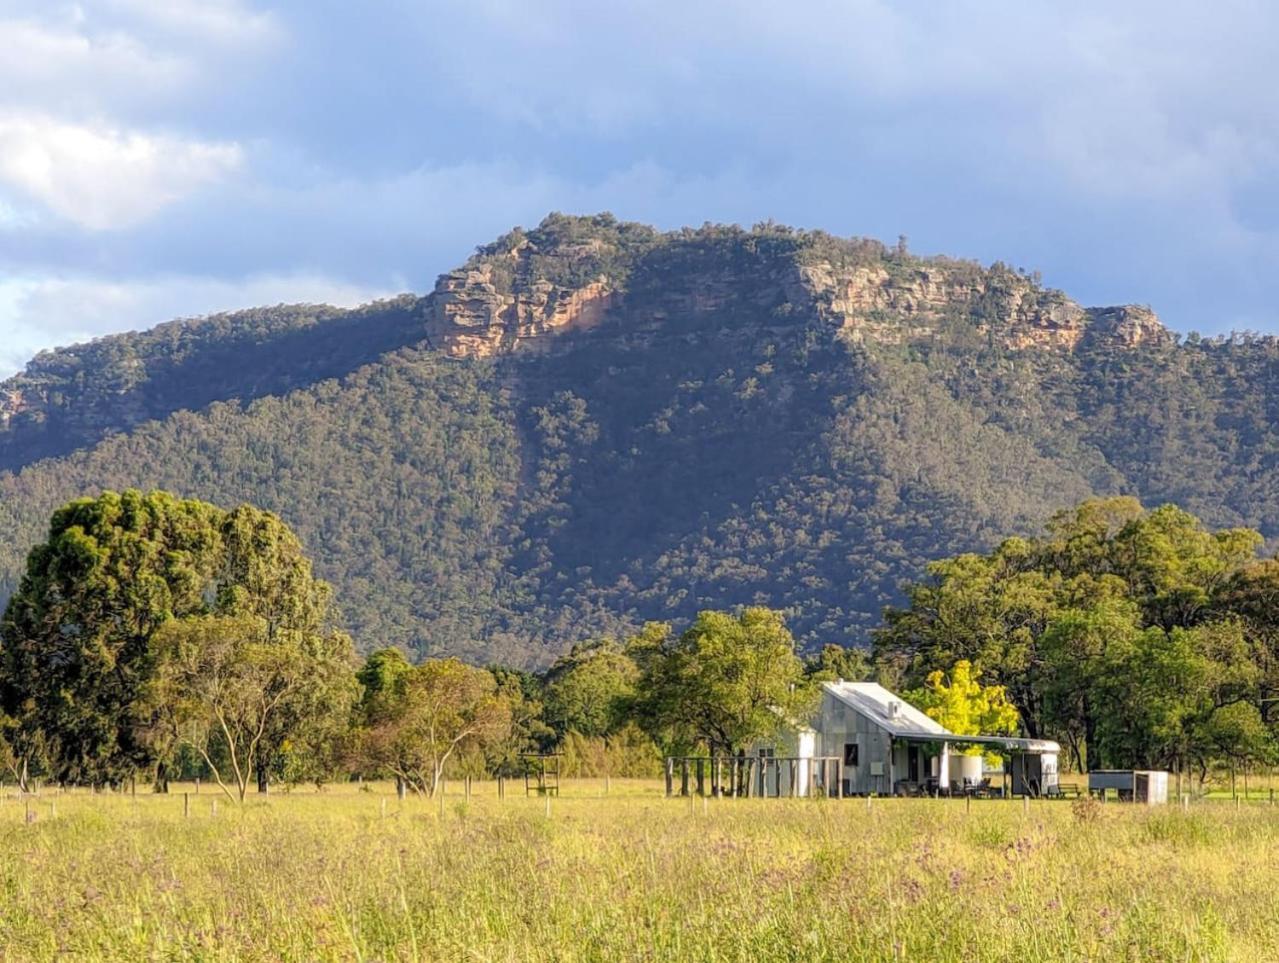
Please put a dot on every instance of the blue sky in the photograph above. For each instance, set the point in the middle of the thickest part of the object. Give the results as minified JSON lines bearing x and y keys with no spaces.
{"x":166,"y":159}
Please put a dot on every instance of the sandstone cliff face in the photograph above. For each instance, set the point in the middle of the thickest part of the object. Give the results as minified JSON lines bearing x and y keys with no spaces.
{"x":474,"y":315}
{"x":12,"y":404}
{"x":871,"y":304}
{"x":1128,"y":326}
{"x":521,"y":292}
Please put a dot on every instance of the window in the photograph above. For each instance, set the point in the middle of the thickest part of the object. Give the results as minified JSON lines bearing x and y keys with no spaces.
{"x":766,"y":752}
{"x":850,"y":755}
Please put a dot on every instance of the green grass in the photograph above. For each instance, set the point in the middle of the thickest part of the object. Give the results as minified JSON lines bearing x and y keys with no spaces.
{"x":633,"y":876}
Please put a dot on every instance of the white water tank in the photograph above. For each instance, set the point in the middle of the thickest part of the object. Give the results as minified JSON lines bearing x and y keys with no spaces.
{"x":965,"y":767}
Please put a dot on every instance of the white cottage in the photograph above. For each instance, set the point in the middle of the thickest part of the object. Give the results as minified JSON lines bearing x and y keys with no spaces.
{"x":888,"y":747}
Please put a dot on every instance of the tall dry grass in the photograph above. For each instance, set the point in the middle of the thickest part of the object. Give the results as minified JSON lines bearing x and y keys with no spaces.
{"x":633,"y":877}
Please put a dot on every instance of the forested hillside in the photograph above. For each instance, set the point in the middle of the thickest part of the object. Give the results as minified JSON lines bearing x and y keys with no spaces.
{"x":591,"y":424}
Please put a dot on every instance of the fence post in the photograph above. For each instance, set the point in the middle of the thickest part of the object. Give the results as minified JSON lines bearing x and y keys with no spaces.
{"x":186,"y":805}
{"x":670,"y":776}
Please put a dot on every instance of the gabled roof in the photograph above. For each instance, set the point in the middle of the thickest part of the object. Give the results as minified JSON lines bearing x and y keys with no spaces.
{"x":888,"y":711}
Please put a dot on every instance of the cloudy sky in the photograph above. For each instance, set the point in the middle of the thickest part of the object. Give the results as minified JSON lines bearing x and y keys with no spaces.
{"x":164,"y":159}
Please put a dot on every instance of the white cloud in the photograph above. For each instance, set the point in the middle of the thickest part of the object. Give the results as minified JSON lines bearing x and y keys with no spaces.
{"x":38,"y":313}
{"x":102,"y":178}
{"x":65,"y":67}
{"x":218,"y":21}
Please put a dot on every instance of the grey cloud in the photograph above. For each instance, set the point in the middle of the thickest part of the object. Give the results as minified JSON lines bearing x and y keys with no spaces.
{"x":1129,"y":151}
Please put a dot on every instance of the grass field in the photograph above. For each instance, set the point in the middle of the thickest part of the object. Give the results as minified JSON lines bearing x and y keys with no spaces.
{"x":633,"y":876}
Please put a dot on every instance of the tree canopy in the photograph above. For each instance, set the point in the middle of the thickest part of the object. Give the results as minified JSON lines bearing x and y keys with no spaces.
{"x":1126,"y":633}
{"x":81,"y":659}
{"x":722,"y":683}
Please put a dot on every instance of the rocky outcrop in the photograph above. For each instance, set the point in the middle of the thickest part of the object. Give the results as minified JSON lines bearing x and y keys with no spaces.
{"x":872,"y":303}
{"x":1127,"y":326}
{"x":472,"y":316}
{"x":12,"y":403}
{"x":519,"y":293}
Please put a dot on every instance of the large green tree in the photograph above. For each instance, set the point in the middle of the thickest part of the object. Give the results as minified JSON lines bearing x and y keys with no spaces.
{"x":722,"y":683}
{"x":589,"y":690}
{"x":79,"y":653}
{"x":415,"y":719}
{"x":77,"y":635}
{"x":1120,"y":631}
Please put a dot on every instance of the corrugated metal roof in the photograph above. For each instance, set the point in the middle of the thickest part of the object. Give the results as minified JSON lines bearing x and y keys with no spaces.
{"x":888,"y":711}
{"x":906,"y":722}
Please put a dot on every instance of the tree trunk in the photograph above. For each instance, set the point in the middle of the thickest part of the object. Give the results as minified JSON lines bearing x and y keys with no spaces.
{"x":161,"y":781}
{"x":401,"y":787}
{"x":1090,"y":741}
{"x":263,"y":779}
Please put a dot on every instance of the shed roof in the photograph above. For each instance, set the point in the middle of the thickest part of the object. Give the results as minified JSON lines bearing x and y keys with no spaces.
{"x":906,"y":722}
{"x":888,"y":711}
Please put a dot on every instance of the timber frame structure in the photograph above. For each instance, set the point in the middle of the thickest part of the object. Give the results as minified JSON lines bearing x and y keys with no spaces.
{"x":541,"y":773}
{"x":755,"y":776}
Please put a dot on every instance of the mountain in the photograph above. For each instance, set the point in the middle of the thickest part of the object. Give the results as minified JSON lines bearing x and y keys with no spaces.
{"x":592,"y":423}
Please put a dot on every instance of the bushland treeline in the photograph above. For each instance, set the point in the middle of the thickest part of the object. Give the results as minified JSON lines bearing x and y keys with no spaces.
{"x":154,"y":637}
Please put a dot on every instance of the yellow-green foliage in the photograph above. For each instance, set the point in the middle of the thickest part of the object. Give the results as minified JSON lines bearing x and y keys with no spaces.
{"x":633,"y":876}
{"x":965,"y":706}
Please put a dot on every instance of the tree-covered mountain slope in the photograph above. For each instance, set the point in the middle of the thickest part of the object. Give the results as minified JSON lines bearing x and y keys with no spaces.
{"x":591,"y":424}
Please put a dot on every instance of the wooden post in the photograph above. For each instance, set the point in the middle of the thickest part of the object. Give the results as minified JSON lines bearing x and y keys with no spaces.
{"x":501,"y":787}
{"x":683,"y":777}
{"x":30,"y":819}
{"x":670,"y":777}
{"x":215,"y":807}
{"x":701,"y":776}
{"x":383,"y":807}
{"x":793,"y":771}
{"x":186,"y":805}
{"x":839,"y":779}
{"x":197,"y":785}
{"x":468,"y":788}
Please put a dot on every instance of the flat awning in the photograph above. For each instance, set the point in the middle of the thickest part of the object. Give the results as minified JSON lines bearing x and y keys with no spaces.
{"x":1005,"y":743}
